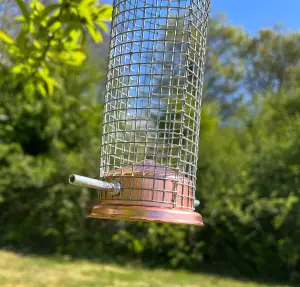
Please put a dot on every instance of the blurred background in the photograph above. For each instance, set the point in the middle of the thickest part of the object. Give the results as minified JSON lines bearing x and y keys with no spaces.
{"x":53,"y":58}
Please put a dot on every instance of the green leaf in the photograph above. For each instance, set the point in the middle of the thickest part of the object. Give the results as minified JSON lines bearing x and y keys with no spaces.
{"x":55,"y":26}
{"x":51,"y":84}
{"x":83,"y":36}
{"x":29,"y":90}
{"x":21,"y":38}
{"x":31,"y":27}
{"x":41,"y":89}
{"x":4,"y":37}
{"x":20,"y":18}
{"x":79,"y":57}
{"x":50,"y":88}
{"x":102,"y":26}
{"x":74,"y":36}
{"x":74,"y":58}
{"x":73,"y":25}
{"x":74,"y":11}
{"x":36,"y":44}
{"x":51,"y":21}
{"x":39,"y":6}
{"x":18,"y":69}
{"x":48,"y":10}
{"x":95,"y":34}
{"x":105,"y":13}
{"x":84,"y":12}
{"x":44,"y":72}
{"x":24,"y":10}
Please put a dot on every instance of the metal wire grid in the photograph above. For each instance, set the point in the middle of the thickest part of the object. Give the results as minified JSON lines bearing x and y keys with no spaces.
{"x":153,"y":98}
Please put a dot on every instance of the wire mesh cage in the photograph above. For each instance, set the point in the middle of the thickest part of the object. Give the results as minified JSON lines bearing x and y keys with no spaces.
{"x":152,"y":110}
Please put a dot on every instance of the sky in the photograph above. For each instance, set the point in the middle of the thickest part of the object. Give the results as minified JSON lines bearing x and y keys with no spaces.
{"x":256,"y":14}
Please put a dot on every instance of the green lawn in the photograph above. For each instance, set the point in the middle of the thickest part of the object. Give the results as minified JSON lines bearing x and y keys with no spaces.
{"x":23,"y":271}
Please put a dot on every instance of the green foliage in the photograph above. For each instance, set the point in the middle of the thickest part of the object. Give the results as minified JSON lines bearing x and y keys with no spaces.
{"x":225,"y":68}
{"x":44,"y":139}
{"x":249,"y":185}
{"x":273,"y":59}
{"x":51,"y":36}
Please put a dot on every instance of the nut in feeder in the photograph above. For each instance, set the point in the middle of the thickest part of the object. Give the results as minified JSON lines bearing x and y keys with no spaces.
{"x":152,"y":112}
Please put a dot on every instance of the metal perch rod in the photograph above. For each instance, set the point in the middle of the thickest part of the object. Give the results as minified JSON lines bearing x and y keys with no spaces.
{"x":112,"y":187}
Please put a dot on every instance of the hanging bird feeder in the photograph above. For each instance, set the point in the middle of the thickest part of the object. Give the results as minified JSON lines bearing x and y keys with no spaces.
{"x":152,"y":112}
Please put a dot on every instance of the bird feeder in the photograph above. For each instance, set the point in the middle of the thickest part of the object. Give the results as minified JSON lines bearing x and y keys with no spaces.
{"x":152,"y":109}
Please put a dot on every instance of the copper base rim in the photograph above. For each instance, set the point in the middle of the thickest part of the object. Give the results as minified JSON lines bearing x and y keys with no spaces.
{"x":148,"y":214}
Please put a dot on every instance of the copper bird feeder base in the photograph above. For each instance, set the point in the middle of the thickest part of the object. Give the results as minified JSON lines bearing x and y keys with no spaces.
{"x":145,"y":191}
{"x":142,"y":213}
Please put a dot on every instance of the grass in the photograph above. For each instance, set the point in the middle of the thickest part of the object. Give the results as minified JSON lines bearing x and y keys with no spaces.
{"x":23,"y":271}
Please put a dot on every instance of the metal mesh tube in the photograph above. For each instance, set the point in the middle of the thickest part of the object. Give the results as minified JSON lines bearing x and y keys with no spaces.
{"x":153,"y":99}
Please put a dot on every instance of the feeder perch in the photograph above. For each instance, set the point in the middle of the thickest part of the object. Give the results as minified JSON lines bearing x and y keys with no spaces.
{"x":152,"y":108}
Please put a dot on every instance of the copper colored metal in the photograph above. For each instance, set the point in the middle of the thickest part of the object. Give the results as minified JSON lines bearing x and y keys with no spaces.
{"x":142,"y":213}
{"x":149,"y":192}
{"x":149,"y":184}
